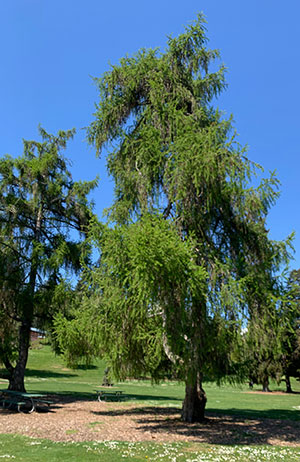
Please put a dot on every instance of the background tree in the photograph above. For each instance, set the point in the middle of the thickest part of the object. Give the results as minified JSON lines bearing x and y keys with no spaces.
{"x":175,"y":273}
{"x":263,"y":336}
{"x":271,"y":343}
{"x":290,"y":359}
{"x":263,"y":350}
{"x":44,"y":217}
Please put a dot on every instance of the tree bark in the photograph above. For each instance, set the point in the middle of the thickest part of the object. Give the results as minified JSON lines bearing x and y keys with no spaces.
{"x":16,"y":380}
{"x":288,"y":384}
{"x":194,"y":403}
{"x":265,"y":384}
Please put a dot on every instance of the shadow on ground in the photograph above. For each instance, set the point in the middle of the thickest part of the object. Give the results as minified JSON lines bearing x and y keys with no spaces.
{"x":274,"y":414}
{"x":48,"y":374}
{"x":281,"y":414}
{"x":216,"y":429}
{"x":68,"y":397}
{"x":61,"y":398}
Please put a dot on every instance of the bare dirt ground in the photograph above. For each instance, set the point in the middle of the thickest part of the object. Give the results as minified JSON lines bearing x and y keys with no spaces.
{"x":92,"y":420}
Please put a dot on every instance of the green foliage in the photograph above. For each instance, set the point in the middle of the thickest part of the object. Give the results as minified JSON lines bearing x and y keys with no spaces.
{"x":75,"y":335}
{"x":271,"y":343}
{"x":44,"y":216}
{"x":187,"y":259}
{"x":146,"y":288}
{"x":290,"y":359}
{"x":175,"y":158}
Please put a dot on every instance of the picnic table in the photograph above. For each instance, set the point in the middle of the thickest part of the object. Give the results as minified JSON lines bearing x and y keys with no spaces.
{"x":23,"y":401}
{"x":103,"y":395}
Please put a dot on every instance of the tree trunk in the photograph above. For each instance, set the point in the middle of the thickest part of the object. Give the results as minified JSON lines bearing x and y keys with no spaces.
{"x":265,"y":384}
{"x":288,"y":384}
{"x":16,"y":380}
{"x":194,"y":402}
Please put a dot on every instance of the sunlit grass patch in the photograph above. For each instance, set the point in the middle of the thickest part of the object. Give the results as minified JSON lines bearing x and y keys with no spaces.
{"x":32,"y":449}
{"x":71,"y":431}
{"x":94,"y":424}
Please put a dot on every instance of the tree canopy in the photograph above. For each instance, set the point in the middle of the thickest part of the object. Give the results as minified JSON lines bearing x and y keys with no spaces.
{"x":187,"y":255}
{"x":44,"y":218}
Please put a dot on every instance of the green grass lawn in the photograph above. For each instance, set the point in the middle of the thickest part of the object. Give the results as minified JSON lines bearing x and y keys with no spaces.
{"x":47,"y":373}
{"x":19,"y":448}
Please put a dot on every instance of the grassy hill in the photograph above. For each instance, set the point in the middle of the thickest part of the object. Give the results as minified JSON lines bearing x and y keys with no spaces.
{"x":47,"y":373}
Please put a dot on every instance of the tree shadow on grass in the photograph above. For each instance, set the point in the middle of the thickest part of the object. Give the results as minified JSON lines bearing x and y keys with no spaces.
{"x":276,"y":414}
{"x":128,"y":397}
{"x":86,"y":367}
{"x":44,"y":374}
{"x":69,"y":396}
{"x":216,"y":429}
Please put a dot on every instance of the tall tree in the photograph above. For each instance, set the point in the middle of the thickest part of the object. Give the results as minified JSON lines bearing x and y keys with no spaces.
{"x":44,"y":218}
{"x":191,"y":231}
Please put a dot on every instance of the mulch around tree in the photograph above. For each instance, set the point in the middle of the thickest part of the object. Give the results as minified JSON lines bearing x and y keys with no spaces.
{"x":70,"y":420}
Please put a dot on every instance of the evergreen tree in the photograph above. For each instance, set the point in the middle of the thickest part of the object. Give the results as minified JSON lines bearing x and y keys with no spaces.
{"x":271,"y":342}
{"x":179,"y":270}
{"x":290,"y":359}
{"x":44,"y":218}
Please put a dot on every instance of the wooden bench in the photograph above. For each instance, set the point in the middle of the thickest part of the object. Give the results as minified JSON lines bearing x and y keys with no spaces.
{"x":103,"y":395}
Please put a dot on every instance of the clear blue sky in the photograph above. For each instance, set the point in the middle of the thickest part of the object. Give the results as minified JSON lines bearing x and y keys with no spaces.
{"x":50,"y":49}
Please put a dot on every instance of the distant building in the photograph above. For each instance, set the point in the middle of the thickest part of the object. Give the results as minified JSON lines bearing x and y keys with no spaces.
{"x":36,"y":334}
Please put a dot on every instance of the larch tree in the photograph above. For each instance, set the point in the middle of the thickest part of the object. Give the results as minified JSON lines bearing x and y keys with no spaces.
{"x":187,"y":237}
{"x":44,"y":218}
